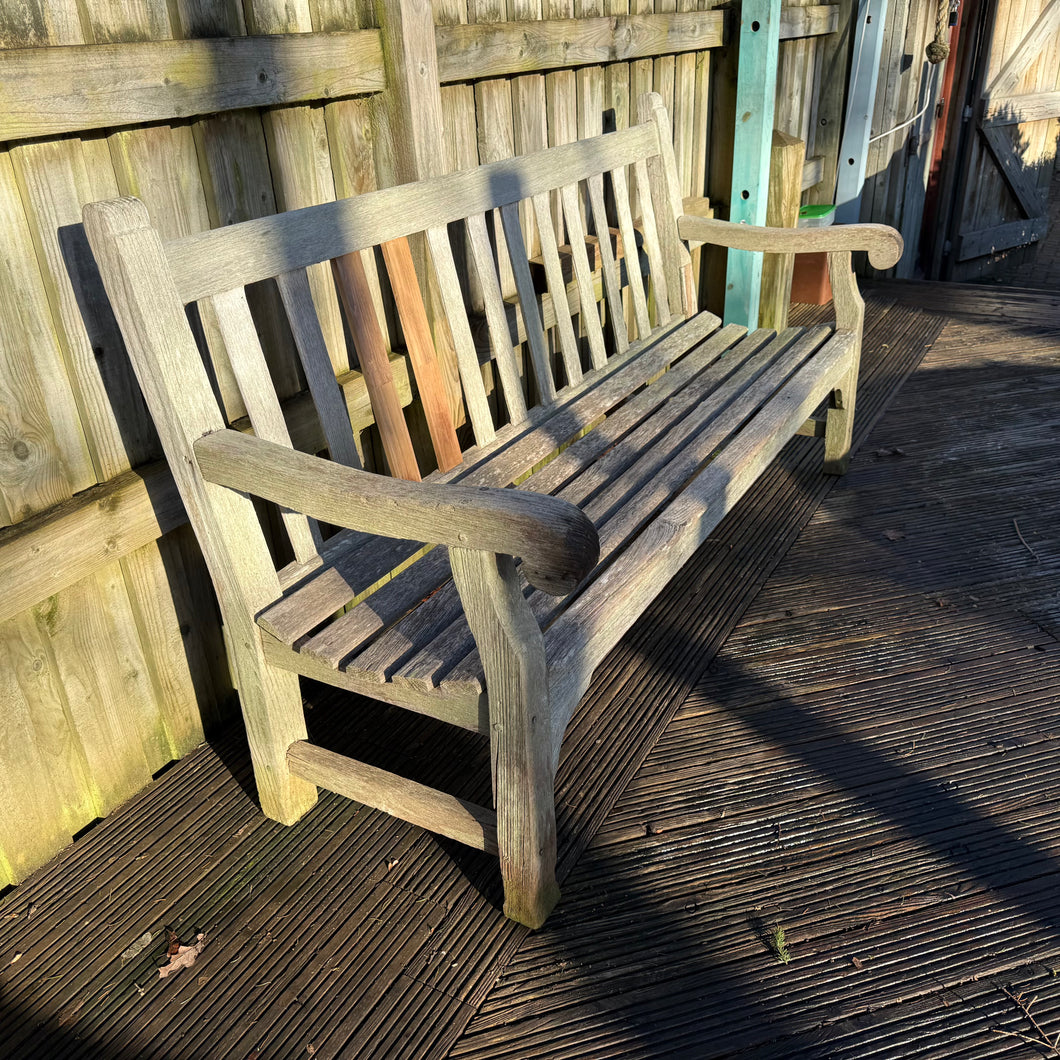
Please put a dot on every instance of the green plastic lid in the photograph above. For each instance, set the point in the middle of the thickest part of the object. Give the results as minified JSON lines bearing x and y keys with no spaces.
{"x":814,"y":216}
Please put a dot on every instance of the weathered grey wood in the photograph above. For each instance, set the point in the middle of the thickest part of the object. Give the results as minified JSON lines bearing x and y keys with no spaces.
{"x":456,"y":314}
{"x":313,"y":353}
{"x":884,"y":244}
{"x":598,"y":619}
{"x":513,"y":653}
{"x":557,"y":289}
{"x":447,"y":815}
{"x":850,"y":321}
{"x":643,"y":453}
{"x":178,"y":393}
{"x":500,"y":336}
{"x":589,"y":316}
{"x":524,"y":284}
{"x":660,"y":281}
{"x":252,"y":374}
{"x":218,"y":260}
{"x":1001,"y":237}
{"x":608,"y":264}
{"x":51,"y":91}
{"x":467,"y":708}
{"x":632,"y":254}
{"x":667,"y":198}
{"x":557,"y":542}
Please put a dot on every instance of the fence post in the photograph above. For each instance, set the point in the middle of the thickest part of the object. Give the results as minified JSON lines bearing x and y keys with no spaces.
{"x":755,"y":97}
{"x":413,"y":116}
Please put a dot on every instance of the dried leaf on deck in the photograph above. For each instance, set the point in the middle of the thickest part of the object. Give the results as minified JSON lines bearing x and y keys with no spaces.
{"x":894,"y":535}
{"x":184,"y":957}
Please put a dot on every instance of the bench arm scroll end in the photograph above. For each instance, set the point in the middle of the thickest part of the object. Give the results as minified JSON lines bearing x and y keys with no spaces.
{"x":883,"y":243}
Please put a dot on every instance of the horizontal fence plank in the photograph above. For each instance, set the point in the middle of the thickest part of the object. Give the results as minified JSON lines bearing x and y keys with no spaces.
{"x":50,"y":91}
{"x":56,"y":90}
{"x":1001,"y":237}
{"x":1012,"y":110}
{"x":494,"y":49}
{"x":61,"y":546}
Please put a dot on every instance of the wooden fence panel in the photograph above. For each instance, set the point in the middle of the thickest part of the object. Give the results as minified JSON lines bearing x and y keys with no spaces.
{"x":111,"y":654}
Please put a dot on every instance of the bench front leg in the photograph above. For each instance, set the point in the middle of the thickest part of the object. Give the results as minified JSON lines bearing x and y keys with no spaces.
{"x":513,"y":656}
{"x":850,"y":317}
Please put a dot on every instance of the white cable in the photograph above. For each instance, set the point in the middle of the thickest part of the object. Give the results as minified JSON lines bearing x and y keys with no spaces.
{"x":899,"y":128}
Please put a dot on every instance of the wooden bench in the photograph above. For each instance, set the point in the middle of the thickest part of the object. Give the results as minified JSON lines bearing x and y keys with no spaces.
{"x":630,"y":426}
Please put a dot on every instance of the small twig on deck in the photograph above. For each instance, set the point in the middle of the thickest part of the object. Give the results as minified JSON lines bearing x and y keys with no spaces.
{"x":1037,"y":558}
{"x":1052,"y":1044}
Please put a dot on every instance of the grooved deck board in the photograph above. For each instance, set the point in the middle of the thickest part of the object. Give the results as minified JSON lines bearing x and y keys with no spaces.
{"x":865,"y":756}
{"x":869,"y":762}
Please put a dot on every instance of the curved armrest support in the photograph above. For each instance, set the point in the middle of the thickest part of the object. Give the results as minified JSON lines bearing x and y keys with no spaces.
{"x":882,"y":242}
{"x":556,"y":541}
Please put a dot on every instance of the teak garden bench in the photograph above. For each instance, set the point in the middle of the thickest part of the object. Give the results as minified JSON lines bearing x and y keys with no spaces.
{"x":632,"y":425}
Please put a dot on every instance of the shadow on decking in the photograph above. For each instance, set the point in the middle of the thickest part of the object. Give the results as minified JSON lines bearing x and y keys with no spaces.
{"x":790,"y":788}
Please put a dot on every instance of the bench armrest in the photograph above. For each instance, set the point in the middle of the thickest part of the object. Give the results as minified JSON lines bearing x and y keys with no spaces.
{"x":882,"y":242}
{"x":556,"y":541}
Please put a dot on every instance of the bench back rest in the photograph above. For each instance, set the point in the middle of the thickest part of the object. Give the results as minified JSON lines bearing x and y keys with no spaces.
{"x":470,"y":232}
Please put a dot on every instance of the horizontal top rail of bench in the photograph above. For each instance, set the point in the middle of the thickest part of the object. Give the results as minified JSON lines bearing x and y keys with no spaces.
{"x":51,"y":91}
{"x":224,"y":258}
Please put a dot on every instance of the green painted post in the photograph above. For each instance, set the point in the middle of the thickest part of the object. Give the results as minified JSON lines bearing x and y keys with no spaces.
{"x":756,"y":85}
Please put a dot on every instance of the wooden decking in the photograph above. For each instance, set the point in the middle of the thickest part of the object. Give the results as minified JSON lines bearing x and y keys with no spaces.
{"x":848,"y":733}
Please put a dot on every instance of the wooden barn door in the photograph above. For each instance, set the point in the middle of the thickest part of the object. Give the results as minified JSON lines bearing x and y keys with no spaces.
{"x":1011,"y":136}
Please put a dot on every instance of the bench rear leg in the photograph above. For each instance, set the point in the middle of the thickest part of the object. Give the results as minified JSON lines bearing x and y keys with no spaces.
{"x":513,"y":657}
{"x":839,"y":426}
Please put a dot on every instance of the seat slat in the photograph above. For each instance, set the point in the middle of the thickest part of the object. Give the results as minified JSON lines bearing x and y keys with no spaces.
{"x":598,"y":618}
{"x":347,"y":634}
{"x":512,"y":453}
{"x":656,"y":476}
{"x":353,"y":563}
{"x":251,"y":372}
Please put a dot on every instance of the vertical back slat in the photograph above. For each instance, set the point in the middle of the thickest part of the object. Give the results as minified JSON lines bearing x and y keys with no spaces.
{"x":631,"y":253}
{"x":651,"y":243}
{"x":557,"y":287}
{"x":422,"y":354}
{"x":259,"y":396}
{"x":374,"y":361}
{"x":524,"y":285}
{"x":608,"y":267}
{"x":496,"y":319}
{"x":666,"y":196}
{"x":313,"y":352}
{"x":456,"y":314}
{"x":590,"y":312}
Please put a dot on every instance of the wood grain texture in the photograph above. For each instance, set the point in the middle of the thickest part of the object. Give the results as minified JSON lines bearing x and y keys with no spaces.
{"x":96,"y":86}
{"x":557,"y":543}
{"x":374,"y":363}
{"x":883,"y":243}
{"x":513,"y":653}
